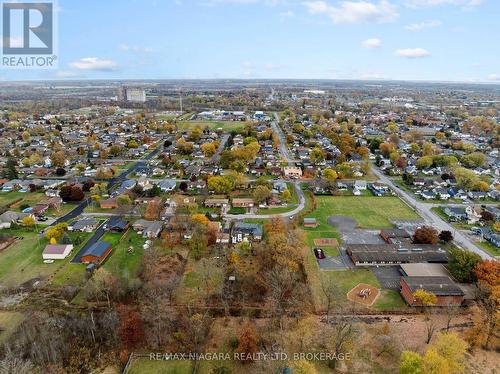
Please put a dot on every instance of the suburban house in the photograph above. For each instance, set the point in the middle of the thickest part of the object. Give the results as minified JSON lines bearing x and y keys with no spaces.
{"x":57,"y":251}
{"x":86,"y":225}
{"x":243,"y":202}
{"x":149,"y":229}
{"x":455,"y":214}
{"x":447,"y":292}
{"x":108,"y":203}
{"x":292,"y":172}
{"x":360,"y":185}
{"x":96,"y":253}
{"x":9,"y":217}
{"x":116,"y":224}
{"x":167,"y":185}
{"x":242,"y":231}
{"x":216,"y":202}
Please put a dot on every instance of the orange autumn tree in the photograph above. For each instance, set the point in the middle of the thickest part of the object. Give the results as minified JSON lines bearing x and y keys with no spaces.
{"x":247,"y":343}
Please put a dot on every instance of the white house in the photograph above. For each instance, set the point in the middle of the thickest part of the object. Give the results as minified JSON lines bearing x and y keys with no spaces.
{"x":57,"y":251}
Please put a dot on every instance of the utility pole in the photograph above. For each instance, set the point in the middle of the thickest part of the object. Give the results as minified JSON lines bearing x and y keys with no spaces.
{"x":180,"y":99}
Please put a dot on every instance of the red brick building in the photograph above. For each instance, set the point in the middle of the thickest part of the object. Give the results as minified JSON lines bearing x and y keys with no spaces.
{"x":446,"y":291}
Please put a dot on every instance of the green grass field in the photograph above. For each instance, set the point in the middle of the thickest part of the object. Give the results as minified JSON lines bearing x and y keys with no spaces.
{"x":346,"y":280}
{"x":369,"y":211}
{"x":213,"y":125}
{"x":23,"y":261}
{"x":490,"y":248}
{"x":121,"y":263}
{"x":30,"y":198}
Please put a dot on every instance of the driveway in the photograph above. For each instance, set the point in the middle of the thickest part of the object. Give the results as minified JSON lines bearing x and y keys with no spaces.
{"x":94,"y":239}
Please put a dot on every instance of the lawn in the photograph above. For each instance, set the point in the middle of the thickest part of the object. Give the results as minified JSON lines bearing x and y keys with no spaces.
{"x":328,"y":250}
{"x":146,"y":366}
{"x":8,"y":324}
{"x":490,"y":248}
{"x":369,"y":211}
{"x":121,"y":263}
{"x":30,"y":198}
{"x":227,"y":126}
{"x":23,"y":261}
{"x":346,"y":280}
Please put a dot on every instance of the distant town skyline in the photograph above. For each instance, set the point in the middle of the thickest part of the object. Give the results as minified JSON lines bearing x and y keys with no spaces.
{"x":432,"y":40}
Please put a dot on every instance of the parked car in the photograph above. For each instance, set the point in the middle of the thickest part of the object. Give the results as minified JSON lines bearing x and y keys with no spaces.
{"x":318,"y":252}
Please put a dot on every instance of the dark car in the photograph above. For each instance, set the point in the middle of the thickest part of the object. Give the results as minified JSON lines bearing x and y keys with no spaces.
{"x":42,"y":219}
{"x":318,"y":252}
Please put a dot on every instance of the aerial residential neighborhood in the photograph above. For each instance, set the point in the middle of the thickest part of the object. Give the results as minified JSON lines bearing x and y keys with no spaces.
{"x":372,"y":211}
{"x":250,"y":186}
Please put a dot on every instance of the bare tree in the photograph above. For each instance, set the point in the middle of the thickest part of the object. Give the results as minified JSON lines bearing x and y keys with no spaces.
{"x":332,"y":294}
{"x":451,"y":312}
{"x":430,"y":324}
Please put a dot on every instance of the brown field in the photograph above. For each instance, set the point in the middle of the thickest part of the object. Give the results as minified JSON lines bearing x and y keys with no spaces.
{"x":353,"y":294}
{"x":326,"y":242}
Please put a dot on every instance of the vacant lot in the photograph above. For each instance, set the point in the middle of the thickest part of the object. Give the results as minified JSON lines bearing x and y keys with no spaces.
{"x":122,"y":263}
{"x":29,"y":198}
{"x":213,"y":125}
{"x":369,"y":211}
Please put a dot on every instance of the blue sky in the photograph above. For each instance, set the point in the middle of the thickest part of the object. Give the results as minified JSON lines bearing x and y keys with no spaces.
{"x":443,"y":40}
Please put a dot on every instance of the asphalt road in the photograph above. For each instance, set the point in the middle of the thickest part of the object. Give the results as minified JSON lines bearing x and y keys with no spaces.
{"x":285,"y":154}
{"x":98,"y":233}
{"x":112,"y":183}
{"x":298,"y":209}
{"x":222,"y":145}
{"x":431,"y":218}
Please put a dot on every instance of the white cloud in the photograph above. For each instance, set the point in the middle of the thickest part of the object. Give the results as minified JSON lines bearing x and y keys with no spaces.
{"x":354,"y":11}
{"x":135,"y":48}
{"x":94,"y":63}
{"x":65,"y":74}
{"x":494,"y":77}
{"x":372,"y":76}
{"x":412,"y":52}
{"x":371,"y":43}
{"x":244,"y":2}
{"x":273,"y":67}
{"x":287,"y":14}
{"x":416,"y":27}
{"x":465,"y":4}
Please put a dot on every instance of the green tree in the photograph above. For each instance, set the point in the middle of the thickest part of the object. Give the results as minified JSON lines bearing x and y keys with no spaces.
{"x":461,"y":263}
{"x":261,"y":193}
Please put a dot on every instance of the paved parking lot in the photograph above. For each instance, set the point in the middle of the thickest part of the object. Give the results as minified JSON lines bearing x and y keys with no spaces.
{"x":359,"y":236}
{"x":332,"y":263}
{"x":388,"y":276}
